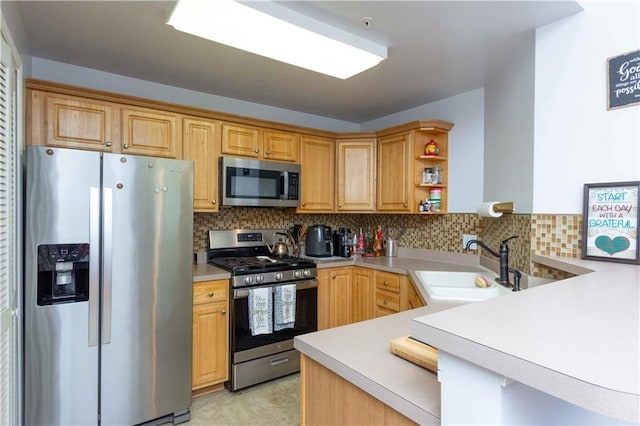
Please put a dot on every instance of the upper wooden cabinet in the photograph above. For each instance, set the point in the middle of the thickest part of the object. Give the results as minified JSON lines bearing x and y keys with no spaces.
{"x":67,"y":121}
{"x":281,"y":146}
{"x":401,"y":163}
{"x":356,"y":174}
{"x":150,"y":132}
{"x":258,"y":143}
{"x":317,"y":162}
{"x":73,"y":122}
{"x":201,"y":139}
{"x":395,"y":166}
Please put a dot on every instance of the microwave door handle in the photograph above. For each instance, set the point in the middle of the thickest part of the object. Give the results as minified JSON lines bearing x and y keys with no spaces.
{"x":284,"y":186}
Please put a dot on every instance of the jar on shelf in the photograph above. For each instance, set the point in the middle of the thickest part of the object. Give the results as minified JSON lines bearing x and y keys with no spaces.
{"x":437,"y":175}
{"x":427,"y":175}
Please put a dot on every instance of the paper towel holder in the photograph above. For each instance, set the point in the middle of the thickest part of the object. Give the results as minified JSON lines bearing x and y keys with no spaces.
{"x":504,"y":207}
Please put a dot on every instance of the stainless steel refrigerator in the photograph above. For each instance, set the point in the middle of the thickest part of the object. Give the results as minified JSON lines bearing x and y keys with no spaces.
{"x":108,"y":292}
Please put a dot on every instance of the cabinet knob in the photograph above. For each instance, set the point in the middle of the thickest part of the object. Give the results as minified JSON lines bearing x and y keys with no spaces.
{"x":224,"y":312}
{"x":257,"y":150}
{"x":386,"y":283}
{"x":210,"y":294}
{"x":268,"y":152}
{"x":108,"y":144}
{"x":339,"y":205}
{"x":385,"y":302}
{"x":405,"y":204}
{"x":125,"y":146}
{"x":333,"y":277}
{"x":213,"y":201}
{"x":303,"y":204}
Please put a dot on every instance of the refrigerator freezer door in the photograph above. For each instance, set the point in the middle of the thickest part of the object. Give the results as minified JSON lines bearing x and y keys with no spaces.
{"x":146,"y":350}
{"x":60,"y":361}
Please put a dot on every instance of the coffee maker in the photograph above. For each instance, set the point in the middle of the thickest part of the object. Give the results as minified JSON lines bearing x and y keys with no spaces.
{"x":341,"y":242}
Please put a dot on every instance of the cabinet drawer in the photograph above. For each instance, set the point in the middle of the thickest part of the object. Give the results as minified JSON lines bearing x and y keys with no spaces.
{"x":388,"y":282}
{"x":387,"y":300}
{"x":209,"y":291}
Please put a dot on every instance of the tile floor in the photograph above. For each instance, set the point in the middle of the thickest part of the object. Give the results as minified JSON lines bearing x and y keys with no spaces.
{"x":273,"y":403}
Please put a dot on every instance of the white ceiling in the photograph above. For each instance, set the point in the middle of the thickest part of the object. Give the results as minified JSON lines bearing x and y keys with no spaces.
{"x":436,"y":49}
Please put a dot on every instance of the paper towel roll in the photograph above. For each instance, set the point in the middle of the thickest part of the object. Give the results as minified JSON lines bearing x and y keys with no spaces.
{"x":487,"y":210}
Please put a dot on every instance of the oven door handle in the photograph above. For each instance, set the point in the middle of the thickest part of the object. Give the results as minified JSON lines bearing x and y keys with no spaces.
{"x":301,"y":285}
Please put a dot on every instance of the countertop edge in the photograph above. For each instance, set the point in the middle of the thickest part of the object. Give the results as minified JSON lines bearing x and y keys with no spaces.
{"x":584,"y":394}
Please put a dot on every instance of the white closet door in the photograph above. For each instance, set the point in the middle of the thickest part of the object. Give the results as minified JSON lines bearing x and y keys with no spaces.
{"x":8,"y":241}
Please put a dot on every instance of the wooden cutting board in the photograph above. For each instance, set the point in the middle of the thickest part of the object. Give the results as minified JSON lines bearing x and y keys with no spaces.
{"x":416,"y":352}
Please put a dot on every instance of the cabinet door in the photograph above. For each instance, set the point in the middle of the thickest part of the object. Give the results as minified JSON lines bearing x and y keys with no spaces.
{"x":240,"y":140}
{"x":150,"y":132}
{"x":78,"y":123}
{"x":413,"y":298}
{"x":394,"y":173}
{"x":317,"y":162}
{"x":200,"y":144}
{"x":362,"y":294}
{"x":281,"y":146}
{"x":324,"y":276}
{"x":340,"y":297}
{"x":210,"y":354}
{"x":356,"y":175}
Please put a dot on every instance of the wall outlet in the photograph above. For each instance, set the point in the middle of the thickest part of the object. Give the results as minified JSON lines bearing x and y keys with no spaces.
{"x":468,"y":237}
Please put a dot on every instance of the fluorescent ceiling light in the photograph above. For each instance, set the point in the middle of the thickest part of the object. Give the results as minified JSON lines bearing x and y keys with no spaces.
{"x":280,"y":34}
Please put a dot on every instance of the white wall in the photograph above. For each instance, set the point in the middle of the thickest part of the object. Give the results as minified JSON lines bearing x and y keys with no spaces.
{"x":508,"y":132}
{"x":466,"y":168}
{"x":577,"y":140}
{"x":13,"y":20}
{"x":45,"y":69}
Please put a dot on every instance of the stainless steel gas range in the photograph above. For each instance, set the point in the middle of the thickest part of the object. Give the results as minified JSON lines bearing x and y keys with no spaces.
{"x":262,"y":327}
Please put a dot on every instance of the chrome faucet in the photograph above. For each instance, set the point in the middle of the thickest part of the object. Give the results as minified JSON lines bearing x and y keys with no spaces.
{"x":503,"y":255}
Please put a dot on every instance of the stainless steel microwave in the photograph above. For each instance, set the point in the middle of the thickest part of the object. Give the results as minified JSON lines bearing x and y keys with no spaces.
{"x":256,"y":183}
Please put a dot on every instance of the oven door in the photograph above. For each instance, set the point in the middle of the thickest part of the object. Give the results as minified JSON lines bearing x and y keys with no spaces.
{"x":245,"y":347}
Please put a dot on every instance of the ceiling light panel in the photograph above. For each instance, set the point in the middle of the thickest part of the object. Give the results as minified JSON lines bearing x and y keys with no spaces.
{"x":327,"y":50}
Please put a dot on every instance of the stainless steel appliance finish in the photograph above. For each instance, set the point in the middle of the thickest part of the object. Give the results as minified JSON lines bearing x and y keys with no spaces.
{"x":124,"y":355}
{"x":255,"y":359}
{"x":256,"y":183}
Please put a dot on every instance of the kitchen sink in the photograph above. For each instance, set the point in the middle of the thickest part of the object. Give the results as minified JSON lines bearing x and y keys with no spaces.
{"x":459,"y":286}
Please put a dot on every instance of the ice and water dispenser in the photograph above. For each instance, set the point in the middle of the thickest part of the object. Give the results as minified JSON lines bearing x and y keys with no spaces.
{"x":63,"y":273}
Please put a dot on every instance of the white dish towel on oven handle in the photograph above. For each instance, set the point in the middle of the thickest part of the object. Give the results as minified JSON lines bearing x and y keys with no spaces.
{"x":260,"y":311}
{"x":285,"y":307}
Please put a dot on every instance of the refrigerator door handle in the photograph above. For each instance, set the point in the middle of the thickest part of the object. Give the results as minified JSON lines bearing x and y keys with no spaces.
{"x":107,"y":259}
{"x":94,"y":262}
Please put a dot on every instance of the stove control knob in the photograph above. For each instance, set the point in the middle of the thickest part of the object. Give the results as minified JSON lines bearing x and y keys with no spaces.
{"x":297,"y":274}
{"x":278,"y":276}
{"x":259,"y":278}
{"x":247,"y":280}
{"x":306,"y":273}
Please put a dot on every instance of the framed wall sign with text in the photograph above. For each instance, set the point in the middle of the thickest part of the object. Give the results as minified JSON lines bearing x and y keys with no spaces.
{"x":623,"y":75}
{"x":610,"y":217}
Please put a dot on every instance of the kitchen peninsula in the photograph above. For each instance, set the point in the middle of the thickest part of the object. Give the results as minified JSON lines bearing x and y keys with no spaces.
{"x":576,"y":339}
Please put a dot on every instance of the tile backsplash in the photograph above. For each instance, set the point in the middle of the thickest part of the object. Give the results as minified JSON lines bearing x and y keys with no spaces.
{"x":554,"y":235}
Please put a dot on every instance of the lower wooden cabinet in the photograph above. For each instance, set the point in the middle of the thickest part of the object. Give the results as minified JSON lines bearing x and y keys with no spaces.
{"x":362,"y":294}
{"x":210,"y":335}
{"x":334,"y":297}
{"x":328,"y":399}
{"x":352,"y":294}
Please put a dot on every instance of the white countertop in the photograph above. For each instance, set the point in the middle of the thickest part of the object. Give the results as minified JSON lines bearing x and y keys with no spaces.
{"x":577,"y":339}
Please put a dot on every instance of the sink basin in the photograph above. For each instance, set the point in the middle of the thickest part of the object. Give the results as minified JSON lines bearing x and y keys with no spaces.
{"x":459,"y":286}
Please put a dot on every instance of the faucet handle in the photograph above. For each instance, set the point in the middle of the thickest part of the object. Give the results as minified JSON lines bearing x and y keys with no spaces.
{"x":510,"y":238}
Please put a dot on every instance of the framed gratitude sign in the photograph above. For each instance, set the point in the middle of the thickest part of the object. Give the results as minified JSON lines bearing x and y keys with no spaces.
{"x":610,"y":217}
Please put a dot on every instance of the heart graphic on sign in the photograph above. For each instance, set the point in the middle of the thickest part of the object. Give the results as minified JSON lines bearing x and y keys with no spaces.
{"x":616,"y":245}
